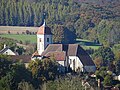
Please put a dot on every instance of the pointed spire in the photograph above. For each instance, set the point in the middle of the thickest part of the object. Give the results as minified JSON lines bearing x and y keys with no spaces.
{"x":43,"y":23}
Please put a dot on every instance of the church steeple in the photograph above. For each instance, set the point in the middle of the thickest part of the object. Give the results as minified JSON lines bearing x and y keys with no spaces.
{"x":44,"y":23}
{"x":44,"y":36}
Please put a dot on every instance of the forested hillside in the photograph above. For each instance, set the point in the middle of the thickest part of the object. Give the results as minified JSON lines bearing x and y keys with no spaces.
{"x":96,"y":20}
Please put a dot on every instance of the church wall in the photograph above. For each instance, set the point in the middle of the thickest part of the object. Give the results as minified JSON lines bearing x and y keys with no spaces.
{"x":40,"y":43}
{"x":61,"y":63}
{"x":77,"y":64}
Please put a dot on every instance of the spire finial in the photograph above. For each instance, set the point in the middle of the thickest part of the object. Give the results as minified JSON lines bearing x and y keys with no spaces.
{"x":43,"y":19}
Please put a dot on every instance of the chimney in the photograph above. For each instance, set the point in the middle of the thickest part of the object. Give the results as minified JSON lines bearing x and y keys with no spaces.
{"x":4,"y":45}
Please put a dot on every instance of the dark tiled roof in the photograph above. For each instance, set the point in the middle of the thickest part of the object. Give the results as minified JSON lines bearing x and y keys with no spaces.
{"x":84,"y":57}
{"x":3,"y":50}
{"x":24,"y":58}
{"x":44,"y":30}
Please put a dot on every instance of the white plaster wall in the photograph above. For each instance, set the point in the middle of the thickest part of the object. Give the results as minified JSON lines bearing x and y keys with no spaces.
{"x":90,"y":68}
{"x":9,"y":52}
{"x":42,"y":45}
{"x":78,"y":63}
{"x":61,"y":63}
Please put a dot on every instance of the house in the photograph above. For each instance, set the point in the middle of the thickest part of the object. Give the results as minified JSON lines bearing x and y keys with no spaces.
{"x":67,"y":55}
{"x":24,"y":58}
{"x":7,"y":51}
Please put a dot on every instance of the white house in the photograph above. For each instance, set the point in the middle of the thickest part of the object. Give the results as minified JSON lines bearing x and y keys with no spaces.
{"x":7,"y":51}
{"x":67,"y":55}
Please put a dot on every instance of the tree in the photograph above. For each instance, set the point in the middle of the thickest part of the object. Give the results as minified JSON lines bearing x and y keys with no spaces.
{"x":20,"y":50}
{"x":12,"y":74}
{"x":98,"y":61}
{"x":118,"y":67}
{"x":25,"y":86}
{"x":106,"y":54}
{"x":45,"y":69}
{"x":58,"y":34}
{"x":107,"y":80}
{"x":5,"y":65}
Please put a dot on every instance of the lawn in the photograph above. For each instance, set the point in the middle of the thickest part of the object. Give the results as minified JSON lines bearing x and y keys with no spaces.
{"x":23,"y":38}
{"x":87,"y":44}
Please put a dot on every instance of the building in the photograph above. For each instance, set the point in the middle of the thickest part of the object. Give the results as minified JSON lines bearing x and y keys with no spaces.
{"x":7,"y":51}
{"x":67,"y":55}
{"x":24,"y":58}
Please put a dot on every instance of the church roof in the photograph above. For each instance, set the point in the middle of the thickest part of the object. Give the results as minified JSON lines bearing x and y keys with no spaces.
{"x":35,"y":54}
{"x":44,"y":30}
{"x":69,"y":50}
{"x":59,"y":56}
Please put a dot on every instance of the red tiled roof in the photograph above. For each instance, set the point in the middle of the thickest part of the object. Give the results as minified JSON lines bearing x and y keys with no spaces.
{"x":35,"y":54}
{"x":59,"y":56}
{"x":44,"y":30}
{"x":70,"y":50}
{"x":24,"y":58}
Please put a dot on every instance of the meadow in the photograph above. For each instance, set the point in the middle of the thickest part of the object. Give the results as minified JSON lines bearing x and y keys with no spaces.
{"x":86,"y":44}
{"x":21,"y":37}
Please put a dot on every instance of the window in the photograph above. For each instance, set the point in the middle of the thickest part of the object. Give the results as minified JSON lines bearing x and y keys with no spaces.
{"x":47,"y":39}
{"x":40,"y":40}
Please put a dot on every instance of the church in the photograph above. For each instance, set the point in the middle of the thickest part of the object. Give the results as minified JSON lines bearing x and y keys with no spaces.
{"x":67,"y":55}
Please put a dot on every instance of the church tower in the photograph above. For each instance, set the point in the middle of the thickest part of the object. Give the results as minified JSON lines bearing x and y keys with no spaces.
{"x":44,"y":37}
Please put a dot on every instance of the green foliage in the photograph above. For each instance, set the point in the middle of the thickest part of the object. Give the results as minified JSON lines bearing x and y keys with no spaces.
{"x":20,"y":50}
{"x":12,"y":73}
{"x":82,"y":20}
{"x":101,"y":73}
{"x":107,"y":81}
{"x":58,"y":34}
{"x":5,"y":65}
{"x":23,"y":38}
{"x":25,"y":86}
{"x":45,"y":69}
{"x":118,"y":67}
{"x":105,"y":53}
{"x":108,"y":32}
{"x":6,"y":82}
{"x":68,"y":83}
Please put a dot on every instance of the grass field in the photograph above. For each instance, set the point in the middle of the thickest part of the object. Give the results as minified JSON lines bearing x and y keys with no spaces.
{"x":23,"y":38}
{"x":86,"y":44}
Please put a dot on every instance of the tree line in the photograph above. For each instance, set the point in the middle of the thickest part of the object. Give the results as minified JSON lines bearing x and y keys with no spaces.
{"x":82,"y":20}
